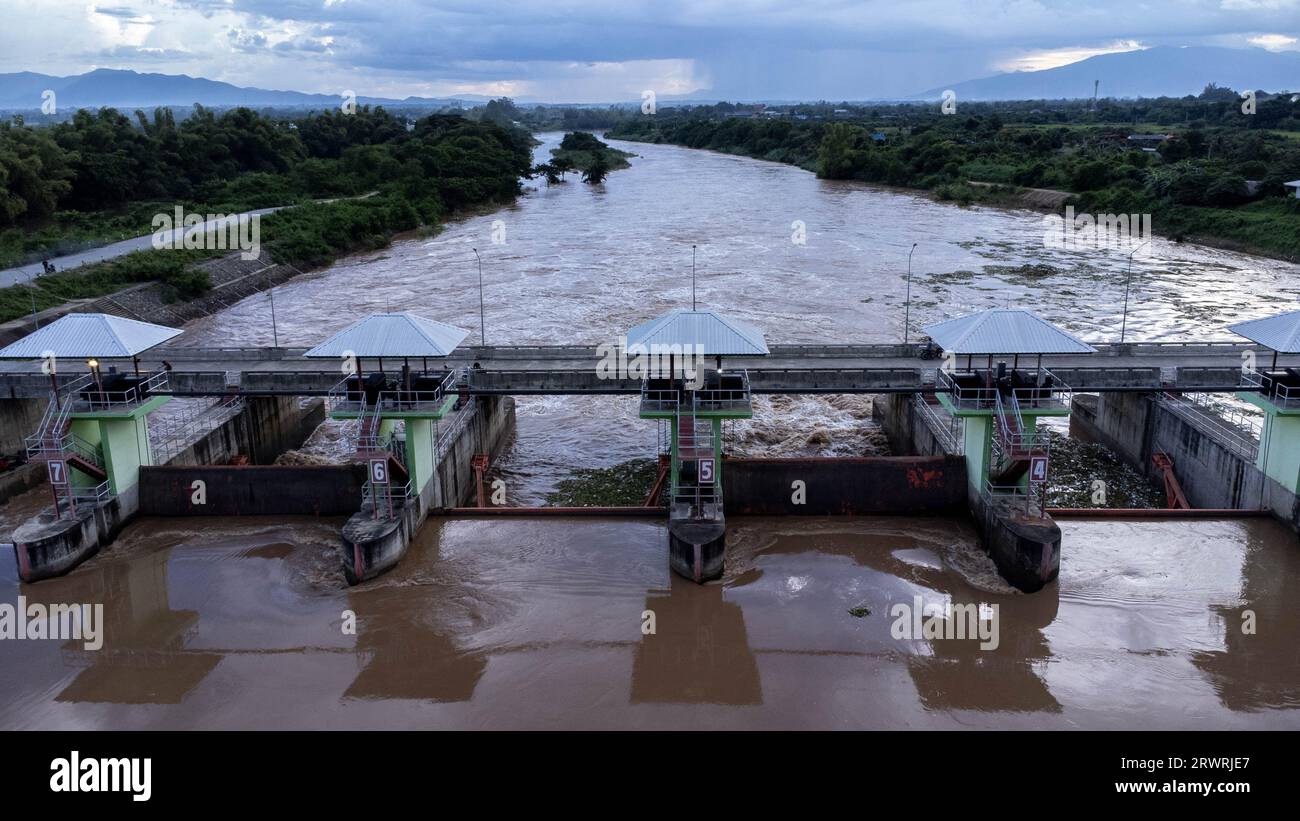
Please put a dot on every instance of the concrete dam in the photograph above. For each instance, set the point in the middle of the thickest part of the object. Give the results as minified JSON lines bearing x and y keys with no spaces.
{"x":428,"y":416}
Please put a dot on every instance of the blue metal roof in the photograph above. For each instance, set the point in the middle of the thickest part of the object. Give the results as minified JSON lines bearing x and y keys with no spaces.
{"x":1280,"y":333}
{"x":718,"y":336}
{"x":1005,"y":331}
{"x":394,"y":334}
{"x":90,"y":335}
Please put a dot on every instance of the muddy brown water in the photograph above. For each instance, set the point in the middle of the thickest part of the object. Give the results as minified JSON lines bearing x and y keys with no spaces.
{"x":539,"y":624}
{"x":241,"y":623}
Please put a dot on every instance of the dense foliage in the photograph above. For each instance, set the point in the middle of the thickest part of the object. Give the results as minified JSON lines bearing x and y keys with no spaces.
{"x":583,"y":152}
{"x":359,"y":178}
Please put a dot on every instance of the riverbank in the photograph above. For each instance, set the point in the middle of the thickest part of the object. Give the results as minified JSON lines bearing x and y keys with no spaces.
{"x":423,"y":175}
{"x":1268,"y":227}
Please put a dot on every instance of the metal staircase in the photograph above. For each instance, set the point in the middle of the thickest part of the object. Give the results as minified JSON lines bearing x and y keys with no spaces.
{"x":1013,"y":447}
{"x":372,"y":445}
{"x":55,"y":442}
{"x":698,"y":499}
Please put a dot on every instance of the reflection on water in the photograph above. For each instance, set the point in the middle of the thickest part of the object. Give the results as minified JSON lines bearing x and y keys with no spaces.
{"x":538,"y":624}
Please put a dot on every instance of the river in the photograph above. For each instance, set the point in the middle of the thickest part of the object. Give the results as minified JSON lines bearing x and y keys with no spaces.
{"x":544,"y":624}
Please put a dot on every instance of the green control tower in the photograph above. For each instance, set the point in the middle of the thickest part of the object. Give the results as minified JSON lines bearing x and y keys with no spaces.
{"x":680,"y":389}
{"x":93,"y":437}
{"x":1007,"y":458}
{"x":1276,"y":391}
{"x":396,"y":416}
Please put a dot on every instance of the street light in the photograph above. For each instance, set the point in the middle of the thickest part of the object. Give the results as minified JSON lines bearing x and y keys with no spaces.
{"x":482,"y":325}
{"x":270,"y":290}
{"x":907,"y":305}
{"x":1123,"y":328}
{"x":692,"y":277}
{"x":31,"y":289}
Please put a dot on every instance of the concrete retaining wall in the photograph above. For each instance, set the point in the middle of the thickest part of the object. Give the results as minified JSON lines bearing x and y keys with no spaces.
{"x":844,"y":485}
{"x":269,"y":490}
{"x":20,"y":480}
{"x":1212,"y":475}
{"x":486,"y":431}
{"x":904,"y":427}
{"x":18,"y":420}
{"x":264,"y":429}
{"x":1116,"y":420}
{"x":46,"y":547}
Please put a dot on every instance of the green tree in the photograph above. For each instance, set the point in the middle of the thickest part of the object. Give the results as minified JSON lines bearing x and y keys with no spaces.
{"x":598,"y":170}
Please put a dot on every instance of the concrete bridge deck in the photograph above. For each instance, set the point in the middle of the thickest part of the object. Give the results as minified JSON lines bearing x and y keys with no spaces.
{"x":528,"y":369}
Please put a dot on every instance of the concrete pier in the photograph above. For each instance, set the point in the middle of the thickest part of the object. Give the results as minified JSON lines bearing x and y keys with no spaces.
{"x":50,"y":545}
{"x":1024,"y":544}
{"x":374,"y":541}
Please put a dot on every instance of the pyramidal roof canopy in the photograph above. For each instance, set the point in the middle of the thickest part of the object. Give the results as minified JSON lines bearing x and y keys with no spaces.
{"x":719,"y":336}
{"x":1005,"y":331}
{"x":1280,"y":333}
{"x":90,"y":335}
{"x":395,"y":334}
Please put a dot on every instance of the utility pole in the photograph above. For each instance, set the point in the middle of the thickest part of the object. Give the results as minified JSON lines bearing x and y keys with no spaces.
{"x":692,"y":277}
{"x":907,"y":305}
{"x":270,"y":290}
{"x":482,"y":324}
{"x":1123,"y":328}
{"x":31,"y":289}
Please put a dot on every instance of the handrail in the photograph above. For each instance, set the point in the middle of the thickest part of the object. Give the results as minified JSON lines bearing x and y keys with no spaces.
{"x":701,"y":399}
{"x":947,"y":435}
{"x":1034,"y":497}
{"x":1285,"y":396}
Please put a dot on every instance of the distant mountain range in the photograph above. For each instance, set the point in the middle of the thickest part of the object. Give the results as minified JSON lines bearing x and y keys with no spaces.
{"x":1155,"y":72}
{"x":130,"y":89}
{"x":1164,"y":71}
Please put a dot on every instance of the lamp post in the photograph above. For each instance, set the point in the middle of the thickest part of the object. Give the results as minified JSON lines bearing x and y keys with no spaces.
{"x":31,"y":287}
{"x":907,"y":305}
{"x":1123,"y":328}
{"x":692,"y":277}
{"x":270,"y":290}
{"x":482,"y":324}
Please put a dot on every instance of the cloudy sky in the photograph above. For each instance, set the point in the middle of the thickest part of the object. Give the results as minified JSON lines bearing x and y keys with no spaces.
{"x":582,"y":51}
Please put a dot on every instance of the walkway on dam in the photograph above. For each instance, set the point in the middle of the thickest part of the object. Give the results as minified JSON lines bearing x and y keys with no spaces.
{"x":539,"y":369}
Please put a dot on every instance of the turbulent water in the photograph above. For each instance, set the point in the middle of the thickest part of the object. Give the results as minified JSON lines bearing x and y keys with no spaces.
{"x":543,"y":623}
{"x":582,"y":264}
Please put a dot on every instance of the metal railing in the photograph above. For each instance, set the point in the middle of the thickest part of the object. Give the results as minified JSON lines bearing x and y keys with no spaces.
{"x":349,"y":397}
{"x":719,"y":398}
{"x":97,"y":494}
{"x":700,"y":442}
{"x":51,"y":430}
{"x":384,"y":498}
{"x":704,"y":399}
{"x":67,"y":497}
{"x":1231,"y":427}
{"x":447,"y":435}
{"x":89,"y":397}
{"x":660,"y":399}
{"x":174,"y":433}
{"x":950,"y":434}
{"x":368,"y":428}
{"x":1033,"y":500}
{"x":1048,"y":393}
{"x":697,"y":501}
{"x":84,"y":393}
{"x":1286,"y":397}
{"x":1011,"y":428}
